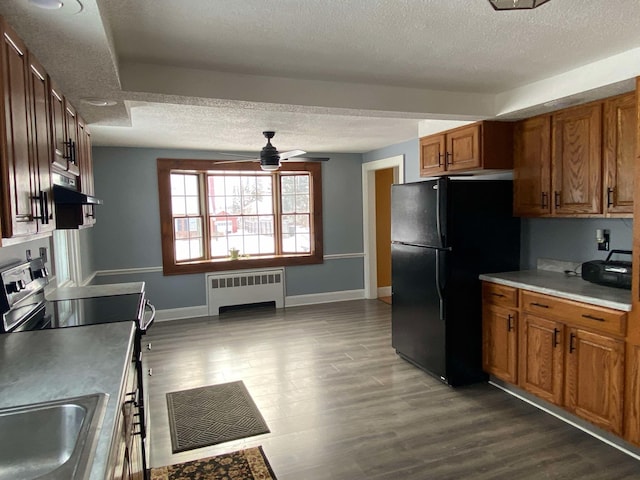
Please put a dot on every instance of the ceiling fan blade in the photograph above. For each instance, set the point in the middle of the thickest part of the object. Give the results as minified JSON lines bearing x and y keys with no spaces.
{"x":308,"y":159}
{"x":238,"y":160}
{"x":291,"y":153}
{"x":228,"y":154}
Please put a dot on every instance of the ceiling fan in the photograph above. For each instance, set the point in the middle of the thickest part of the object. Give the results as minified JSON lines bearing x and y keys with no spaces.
{"x":270,"y":158}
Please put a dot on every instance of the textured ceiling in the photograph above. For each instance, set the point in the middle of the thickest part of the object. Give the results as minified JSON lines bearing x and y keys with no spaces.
{"x":328,"y":76}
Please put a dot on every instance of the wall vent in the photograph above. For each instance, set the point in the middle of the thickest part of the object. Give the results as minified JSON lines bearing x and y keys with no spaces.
{"x":244,"y":288}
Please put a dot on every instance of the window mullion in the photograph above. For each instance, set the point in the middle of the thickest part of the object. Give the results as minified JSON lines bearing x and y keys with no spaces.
{"x":203,"y":193}
{"x":277,"y":212}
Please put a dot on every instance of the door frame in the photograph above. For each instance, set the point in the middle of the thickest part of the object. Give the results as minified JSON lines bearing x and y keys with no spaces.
{"x":369,"y":216}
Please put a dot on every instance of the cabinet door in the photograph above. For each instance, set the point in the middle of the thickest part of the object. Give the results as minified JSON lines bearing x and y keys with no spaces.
{"x":595,"y":378}
{"x":532,"y":167}
{"x":71,"y":131}
{"x":632,"y":394}
{"x":40,"y":146}
{"x":541,"y":358}
{"x":85,"y":163}
{"x":58,"y":139}
{"x":463,"y":148}
{"x":620,"y":127}
{"x":17,"y":188}
{"x":500,"y":342}
{"x":432,"y":155}
{"x":576,"y":160}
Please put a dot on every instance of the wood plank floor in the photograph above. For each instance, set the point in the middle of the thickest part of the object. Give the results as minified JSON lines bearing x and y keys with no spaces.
{"x":341,"y":405}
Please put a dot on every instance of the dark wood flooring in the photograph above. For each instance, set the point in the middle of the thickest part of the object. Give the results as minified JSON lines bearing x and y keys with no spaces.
{"x":341,"y":405}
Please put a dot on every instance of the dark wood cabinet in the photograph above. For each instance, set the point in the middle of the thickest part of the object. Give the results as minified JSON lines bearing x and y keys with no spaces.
{"x":484,"y":145}
{"x":532,"y":167}
{"x":619,"y":154}
{"x":594,"y":382}
{"x":85,"y":163}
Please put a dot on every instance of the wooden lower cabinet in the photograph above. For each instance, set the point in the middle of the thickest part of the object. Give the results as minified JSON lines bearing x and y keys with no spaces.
{"x":542,"y":358}
{"x":500,"y":342}
{"x":632,"y":394}
{"x":594,"y":380}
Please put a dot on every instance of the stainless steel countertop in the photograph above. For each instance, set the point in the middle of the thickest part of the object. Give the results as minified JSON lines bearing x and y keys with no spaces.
{"x":46,"y":365}
{"x":564,"y":286}
{"x":107,"y":290}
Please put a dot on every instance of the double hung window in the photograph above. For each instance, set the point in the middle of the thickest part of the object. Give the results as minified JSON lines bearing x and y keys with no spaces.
{"x":221,"y":215}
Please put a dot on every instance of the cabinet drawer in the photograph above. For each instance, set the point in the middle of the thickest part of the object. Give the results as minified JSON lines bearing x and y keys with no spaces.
{"x":575,"y":313}
{"x":499,"y":294}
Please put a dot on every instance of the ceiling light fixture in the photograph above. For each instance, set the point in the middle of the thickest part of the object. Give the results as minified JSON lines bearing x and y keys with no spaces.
{"x":516,"y":4}
{"x":47,"y":4}
{"x":98,"y":102}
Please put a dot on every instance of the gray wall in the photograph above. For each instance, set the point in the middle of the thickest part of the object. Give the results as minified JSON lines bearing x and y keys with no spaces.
{"x":411,"y":151}
{"x":127,"y":232}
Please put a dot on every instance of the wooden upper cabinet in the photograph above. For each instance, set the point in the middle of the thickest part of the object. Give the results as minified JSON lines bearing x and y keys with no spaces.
{"x":85,"y":163}
{"x":484,"y":145}
{"x":576,"y":164}
{"x":532,"y":167}
{"x":71,"y":128}
{"x":432,"y":155}
{"x":42,"y":194}
{"x":619,"y":143}
{"x":17,"y":182}
{"x":594,"y":385}
{"x":64,"y":131}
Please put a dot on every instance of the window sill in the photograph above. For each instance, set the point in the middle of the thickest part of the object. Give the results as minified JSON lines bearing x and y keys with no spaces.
{"x":205,"y":266}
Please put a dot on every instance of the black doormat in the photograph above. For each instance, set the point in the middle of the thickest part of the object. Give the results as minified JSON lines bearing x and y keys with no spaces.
{"x":210,"y":415}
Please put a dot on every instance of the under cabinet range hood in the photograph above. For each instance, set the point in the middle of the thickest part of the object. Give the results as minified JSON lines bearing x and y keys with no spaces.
{"x":66,"y":196}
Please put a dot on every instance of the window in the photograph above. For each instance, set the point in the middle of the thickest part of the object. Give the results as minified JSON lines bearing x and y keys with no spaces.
{"x":212,"y":211}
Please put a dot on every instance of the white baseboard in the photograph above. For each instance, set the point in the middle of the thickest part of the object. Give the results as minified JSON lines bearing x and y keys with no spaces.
{"x":384,"y":291}
{"x":180,"y":313}
{"x":328,"y":297}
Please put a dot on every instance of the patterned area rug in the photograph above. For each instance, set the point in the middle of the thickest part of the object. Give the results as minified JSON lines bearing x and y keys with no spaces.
{"x":209,"y":415}
{"x":249,"y":464}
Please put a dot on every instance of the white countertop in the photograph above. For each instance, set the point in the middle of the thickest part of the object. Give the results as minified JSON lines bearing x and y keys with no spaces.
{"x":564,"y":286}
{"x":46,"y":365}
{"x":107,"y":290}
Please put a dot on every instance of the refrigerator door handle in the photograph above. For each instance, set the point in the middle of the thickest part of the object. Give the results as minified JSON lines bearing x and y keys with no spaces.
{"x":438,"y":284}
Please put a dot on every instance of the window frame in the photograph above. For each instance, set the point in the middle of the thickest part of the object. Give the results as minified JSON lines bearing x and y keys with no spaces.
{"x":170,"y":267}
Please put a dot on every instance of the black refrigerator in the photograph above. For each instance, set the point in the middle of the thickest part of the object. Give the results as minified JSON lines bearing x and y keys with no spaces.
{"x":444,"y":234}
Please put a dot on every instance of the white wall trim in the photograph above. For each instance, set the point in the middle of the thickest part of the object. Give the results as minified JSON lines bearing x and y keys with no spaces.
{"x":181,"y":313}
{"x":88,"y":280}
{"x":384,"y":291}
{"x":328,"y":297}
{"x":369,"y":216}
{"x":137,"y":270}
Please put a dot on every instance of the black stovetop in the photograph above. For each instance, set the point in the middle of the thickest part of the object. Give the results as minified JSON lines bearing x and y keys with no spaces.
{"x":94,"y":310}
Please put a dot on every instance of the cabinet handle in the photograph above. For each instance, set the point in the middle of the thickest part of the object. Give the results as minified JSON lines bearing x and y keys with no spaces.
{"x":24,"y":217}
{"x":556,"y":341}
{"x":71,"y":152}
{"x":609,"y":197}
{"x":541,"y":305}
{"x":449,"y":160}
{"x":571,"y":345}
{"x":556,"y":196}
{"x":440,"y":155}
{"x":150,"y":371}
{"x":497,"y":294}
{"x":509,"y":323}
{"x":44,"y":207}
{"x":591,"y":317}
{"x":544,"y":199}
{"x":149,"y":346}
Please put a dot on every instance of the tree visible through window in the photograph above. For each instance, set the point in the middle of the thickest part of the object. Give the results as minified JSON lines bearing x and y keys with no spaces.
{"x":209,"y":209}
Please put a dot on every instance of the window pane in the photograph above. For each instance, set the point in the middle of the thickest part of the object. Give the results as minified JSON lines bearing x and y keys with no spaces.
{"x":195,"y":227}
{"x":193,"y":206}
{"x":264,"y":185}
{"x":302,"y":203}
{"x":216,"y":185}
{"x":232,"y":185}
{"x":195,"y":245}
{"x":287,"y":184}
{"x":302,"y":243}
{"x":288,"y":203}
{"x":249,"y":206}
{"x":302,"y":183}
{"x":177,"y":184}
{"x":178,"y":206}
{"x":265,"y":204}
{"x":191,"y":185}
{"x":234,"y":205}
{"x":219,"y":247}
{"x":182,"y":250}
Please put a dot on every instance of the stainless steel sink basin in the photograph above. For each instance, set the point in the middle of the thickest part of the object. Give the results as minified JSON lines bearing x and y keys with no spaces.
{"x":52,"y":440}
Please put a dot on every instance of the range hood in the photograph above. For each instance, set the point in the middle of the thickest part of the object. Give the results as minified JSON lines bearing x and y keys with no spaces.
{"x":67,"y":196}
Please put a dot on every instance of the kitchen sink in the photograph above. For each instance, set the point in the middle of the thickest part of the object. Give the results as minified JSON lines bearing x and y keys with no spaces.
{"x":51,"y":440}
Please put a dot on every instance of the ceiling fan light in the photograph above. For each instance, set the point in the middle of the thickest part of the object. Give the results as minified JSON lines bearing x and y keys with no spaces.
{"x":47,"y":4}
{"x":516,"y":4}
{"x":269,"y":168}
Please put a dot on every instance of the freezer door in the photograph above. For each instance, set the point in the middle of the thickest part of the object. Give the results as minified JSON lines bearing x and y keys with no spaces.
{"x":415,"y":209}
{"x":417,"y":331}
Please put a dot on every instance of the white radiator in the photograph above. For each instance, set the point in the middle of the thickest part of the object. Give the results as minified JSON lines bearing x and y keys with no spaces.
{"x":246,"y":287}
